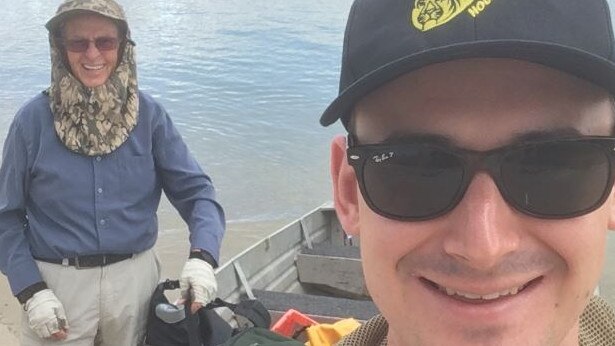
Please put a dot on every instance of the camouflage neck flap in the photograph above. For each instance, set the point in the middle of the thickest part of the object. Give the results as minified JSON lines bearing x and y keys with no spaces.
{"x":93,"y":121}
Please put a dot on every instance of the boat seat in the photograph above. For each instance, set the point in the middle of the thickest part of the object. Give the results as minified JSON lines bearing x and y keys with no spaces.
{"x":334,"y":269}
{"x":314,"y":305}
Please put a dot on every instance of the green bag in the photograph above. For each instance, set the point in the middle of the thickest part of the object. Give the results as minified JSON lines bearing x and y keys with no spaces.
{"x":257,"y":336}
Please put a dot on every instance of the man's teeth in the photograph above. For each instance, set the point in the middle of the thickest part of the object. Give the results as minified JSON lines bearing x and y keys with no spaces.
{"x":93,"y":67}
{"x":491,"y":296}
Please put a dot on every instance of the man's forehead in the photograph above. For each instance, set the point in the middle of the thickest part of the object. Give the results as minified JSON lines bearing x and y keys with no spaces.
{"x":506,"y":80}
{"x":460,"y":100}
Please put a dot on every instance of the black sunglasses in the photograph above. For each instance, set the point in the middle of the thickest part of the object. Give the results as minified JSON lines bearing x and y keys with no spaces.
{"x":553,"y":179}
{"x":81,"y":45}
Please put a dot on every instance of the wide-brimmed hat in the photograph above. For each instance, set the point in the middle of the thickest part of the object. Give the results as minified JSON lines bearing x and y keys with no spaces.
{"x":387,"y":38}
{"x":68,"y":8}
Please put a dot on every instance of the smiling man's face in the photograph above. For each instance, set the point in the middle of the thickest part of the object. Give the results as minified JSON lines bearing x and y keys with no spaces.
{"x":94,"y":66}
{"x":484,"y":273}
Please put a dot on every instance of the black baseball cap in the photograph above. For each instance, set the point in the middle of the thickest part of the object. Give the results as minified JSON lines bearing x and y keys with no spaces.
{"x":385,"y":39}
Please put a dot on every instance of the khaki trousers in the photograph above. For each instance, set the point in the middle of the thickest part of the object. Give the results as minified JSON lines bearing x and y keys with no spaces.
{"x":105,"y":306}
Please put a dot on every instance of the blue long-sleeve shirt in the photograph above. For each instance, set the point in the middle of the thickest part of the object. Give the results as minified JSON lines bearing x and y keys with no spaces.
{"x":55,"y":203}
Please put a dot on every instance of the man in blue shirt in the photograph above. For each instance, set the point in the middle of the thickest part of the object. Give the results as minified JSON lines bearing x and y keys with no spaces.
{"x":83,"y":168}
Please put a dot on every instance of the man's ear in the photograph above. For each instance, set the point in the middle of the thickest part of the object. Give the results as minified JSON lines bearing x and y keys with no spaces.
{"x":612,"y":211}
{"x":345,"y":188}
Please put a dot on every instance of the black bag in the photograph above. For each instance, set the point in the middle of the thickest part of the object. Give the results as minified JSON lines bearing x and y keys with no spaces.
{"x":168,"y":325}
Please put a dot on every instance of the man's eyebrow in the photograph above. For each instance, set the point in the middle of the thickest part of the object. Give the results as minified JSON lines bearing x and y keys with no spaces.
{"x":399,"y":138}
{"x":539,"y":135}
{"x":531,"y":136}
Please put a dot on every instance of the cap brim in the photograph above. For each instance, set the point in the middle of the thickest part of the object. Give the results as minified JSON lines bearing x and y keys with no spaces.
{"x":593,"y":68}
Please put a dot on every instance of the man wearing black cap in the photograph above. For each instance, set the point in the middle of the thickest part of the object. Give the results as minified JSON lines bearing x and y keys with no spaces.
{"x":478,"y":169}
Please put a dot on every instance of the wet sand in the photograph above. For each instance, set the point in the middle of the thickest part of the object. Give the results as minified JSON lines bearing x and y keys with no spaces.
{"x":173,"y":245}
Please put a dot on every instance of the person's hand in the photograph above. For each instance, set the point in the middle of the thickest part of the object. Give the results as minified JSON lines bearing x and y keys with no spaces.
{"x":198,"y":283}
{"x":46,"y":316}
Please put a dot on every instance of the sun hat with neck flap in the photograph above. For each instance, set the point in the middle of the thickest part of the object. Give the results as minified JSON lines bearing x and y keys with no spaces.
{"x":387,"y":38}
{"x":98,"y":120}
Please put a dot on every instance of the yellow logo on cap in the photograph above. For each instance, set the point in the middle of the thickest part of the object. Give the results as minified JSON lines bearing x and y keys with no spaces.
{"x":428,"y":14}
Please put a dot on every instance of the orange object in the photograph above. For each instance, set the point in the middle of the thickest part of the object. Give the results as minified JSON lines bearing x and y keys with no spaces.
{"x":292,"y":322}
{"x":330,"y":334}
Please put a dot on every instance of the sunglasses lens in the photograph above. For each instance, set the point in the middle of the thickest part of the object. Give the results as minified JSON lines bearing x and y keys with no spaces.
{"x":82,"y":45}
{"x":556,"y":180}
{"x":416,"y":183}
{"x":106,"y":43}
{"x":77,"y":46}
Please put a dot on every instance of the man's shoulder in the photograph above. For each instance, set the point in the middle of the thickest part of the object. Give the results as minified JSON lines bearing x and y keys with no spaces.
{"x":597,"y":326}
{"x":146,"y":98}
{"x":34,"y":114}
{"x":150,"y":108}
{"x":33,"y":107}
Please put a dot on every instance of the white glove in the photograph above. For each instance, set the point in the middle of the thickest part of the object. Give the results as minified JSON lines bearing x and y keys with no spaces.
{"x":46,"y":314}
{"x":198,"y":280}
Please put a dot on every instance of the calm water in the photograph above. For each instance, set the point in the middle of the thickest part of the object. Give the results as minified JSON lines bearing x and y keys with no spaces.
{"x":244,"y":81}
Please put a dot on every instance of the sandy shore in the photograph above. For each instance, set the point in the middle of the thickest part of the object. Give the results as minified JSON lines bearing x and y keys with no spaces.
{"x":172,"y":245}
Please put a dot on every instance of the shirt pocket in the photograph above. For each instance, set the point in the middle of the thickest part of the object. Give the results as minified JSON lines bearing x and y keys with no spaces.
{"x":136,"y":178}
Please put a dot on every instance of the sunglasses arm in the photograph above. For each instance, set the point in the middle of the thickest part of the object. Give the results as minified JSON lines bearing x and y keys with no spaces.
{"x":351,"y":141}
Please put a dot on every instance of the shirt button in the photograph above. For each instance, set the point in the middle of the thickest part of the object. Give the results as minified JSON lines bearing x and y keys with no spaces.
{"x":99,"y":190}
{"x":103,"y":222}
{"x":98,"y":158}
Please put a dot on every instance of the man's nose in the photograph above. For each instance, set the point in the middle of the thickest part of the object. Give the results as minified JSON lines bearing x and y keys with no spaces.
{"x":483,"y":229}
{"x":92,"y":51}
